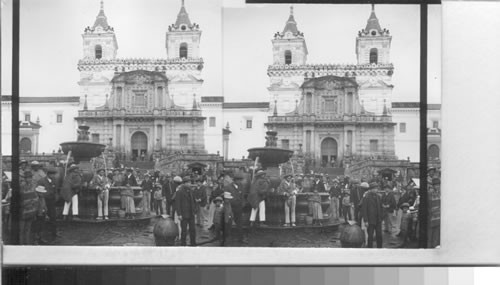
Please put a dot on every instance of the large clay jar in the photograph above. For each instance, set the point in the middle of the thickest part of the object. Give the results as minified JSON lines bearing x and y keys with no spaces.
{"x":165,"y":231}
{"x":352,"y":237}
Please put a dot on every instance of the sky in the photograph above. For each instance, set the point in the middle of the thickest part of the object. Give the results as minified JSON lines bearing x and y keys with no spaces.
{"x":235,"y":42}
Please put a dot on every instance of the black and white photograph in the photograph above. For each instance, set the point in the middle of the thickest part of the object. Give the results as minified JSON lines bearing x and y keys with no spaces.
{"x":206,"y":124}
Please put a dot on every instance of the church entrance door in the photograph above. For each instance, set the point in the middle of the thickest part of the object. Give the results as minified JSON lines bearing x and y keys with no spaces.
{"x":329,"y":152}
{"x":139,"y":145}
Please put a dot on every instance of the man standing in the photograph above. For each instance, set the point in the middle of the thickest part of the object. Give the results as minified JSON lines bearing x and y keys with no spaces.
{"x":389,"y":205}
{"x":357,"y":192}
{"x":201,"y":198}
{"x":101,"y":184}
{"x":38,"y":172}
{"x":130,"y":178}
{"x":237,"y":202}
{"x":147,"y":187}
{"x":287,"y":189}
{"x":335,"y":193}
{"x":29,"y":206}
{"x":372,"y":212}
{"x":51,"y":196}
{"x":71,"y":187}
{"x":257,"y":197}
{"x":185,"y":205}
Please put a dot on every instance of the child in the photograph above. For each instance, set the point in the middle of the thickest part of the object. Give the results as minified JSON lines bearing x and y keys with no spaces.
{"x":218,"y":220}
{"x":406,"y":220}
{"x":158,"y":199}
{"x":317,"y":212}
{"x":41,"y":211}
{"x":346,"y":207}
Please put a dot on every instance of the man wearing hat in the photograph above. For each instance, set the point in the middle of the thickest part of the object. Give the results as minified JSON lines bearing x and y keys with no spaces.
{"x":257,"y":197}
{"x":101,"y":184}
{"x":28,"y":207}
{"x":147,"y":188}
{"x":50,"y":197}
{"x":41,"y":212}
{"x":371,"y":209}
{"x":130,"y":178}
{"x":237,"y":202}
{"x":185,"y":205}
{"x":357,"y":192}
{"x":335,"y":194}
{"x":389,"y":205}
{"x":405,"y":225}
{"x":72,"y":185}
{"x":200,"y":195}
{"x":288,"y":190}
{"x":37,"y":169}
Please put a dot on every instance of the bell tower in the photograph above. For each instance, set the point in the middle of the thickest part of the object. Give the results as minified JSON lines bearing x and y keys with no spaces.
{"x":373,"y":43}
{"x":183,"y":37}
{"x":99,"y":41}
{"x":289,"y":46}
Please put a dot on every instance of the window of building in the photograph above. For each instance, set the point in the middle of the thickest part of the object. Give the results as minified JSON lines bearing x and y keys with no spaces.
{"x":249,"y":124}
{"x":183,"y":50}
{"x":211,"y":122}
{"x":373,"y":145}
{"x":402,"y":127}
{"x":350,"y":103}
{"x":140,"y":100}
{"x":59,"y":118}
{"x":98,"y":51}
{"x":27,"y":117}
{"x":374,"y":56}
{"x":119,"y":92}
{"x":435,"y":124}
{"x":95,"y":138}
{"x":308,"y":103}
{"x":288,"y":57}
{"x":25,"y":145}
{"x":285,"y":144}
{"x":183,"y":139}
{"x":433,"y":152}
{"x":330,"y":105}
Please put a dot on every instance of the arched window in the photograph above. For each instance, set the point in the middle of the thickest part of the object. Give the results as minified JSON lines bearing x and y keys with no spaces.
{"x":159,"y":95}
{"x":433,"y":152}
{"x":119,"y":97}
{"x":98,"y":51}
{"x":288,"y":57}
{"x":374,"y":56}
{"x":183,"y":50}
{"x":25,"y":145}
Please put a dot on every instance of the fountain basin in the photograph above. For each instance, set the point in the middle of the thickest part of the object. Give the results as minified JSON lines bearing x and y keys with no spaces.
{"x":270,"y":156}
{"x":82,"y":150}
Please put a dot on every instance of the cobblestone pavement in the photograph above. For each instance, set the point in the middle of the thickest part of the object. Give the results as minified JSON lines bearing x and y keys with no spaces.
{"x":140,"y":233}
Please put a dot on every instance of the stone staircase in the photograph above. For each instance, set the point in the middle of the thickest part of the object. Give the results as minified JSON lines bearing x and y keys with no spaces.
{"x":149,"y":165}
{"x":331,"y":171}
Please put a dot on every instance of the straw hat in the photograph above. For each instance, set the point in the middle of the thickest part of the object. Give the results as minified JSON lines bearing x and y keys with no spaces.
{"x":40,"y":189}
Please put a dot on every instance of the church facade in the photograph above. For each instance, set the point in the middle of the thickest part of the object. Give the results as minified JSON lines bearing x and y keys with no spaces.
{"x":328,"y":111}
{"x":141,"y":106}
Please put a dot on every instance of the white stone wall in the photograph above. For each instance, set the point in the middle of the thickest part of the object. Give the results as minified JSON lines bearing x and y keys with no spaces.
{"x":407,"y":143}
{"x":6,"y":137}
{"x":242,"y":138}
{"x":51,"y":132}
{"x":213,"y":135}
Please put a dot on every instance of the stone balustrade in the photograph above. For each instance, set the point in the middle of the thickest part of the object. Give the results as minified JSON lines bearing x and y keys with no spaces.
{"x":142,"y":113}
{"x":328,"y":118}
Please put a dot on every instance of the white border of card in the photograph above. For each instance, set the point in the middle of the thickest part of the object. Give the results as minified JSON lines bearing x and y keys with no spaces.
{"x":470,"y":163}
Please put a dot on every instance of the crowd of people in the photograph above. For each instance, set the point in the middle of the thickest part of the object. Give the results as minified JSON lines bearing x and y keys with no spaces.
{"x":196,"y":200}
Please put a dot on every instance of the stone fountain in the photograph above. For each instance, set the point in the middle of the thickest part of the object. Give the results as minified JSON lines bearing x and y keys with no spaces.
{"x":83,"y":150}
{"x":270,"y":156}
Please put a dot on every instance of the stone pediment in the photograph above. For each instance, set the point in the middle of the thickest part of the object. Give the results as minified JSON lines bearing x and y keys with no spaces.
{"x":330,"y":82}
{"x":184,"y":78}
{"x":375,"y":83}
{"x":139,"y":77}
